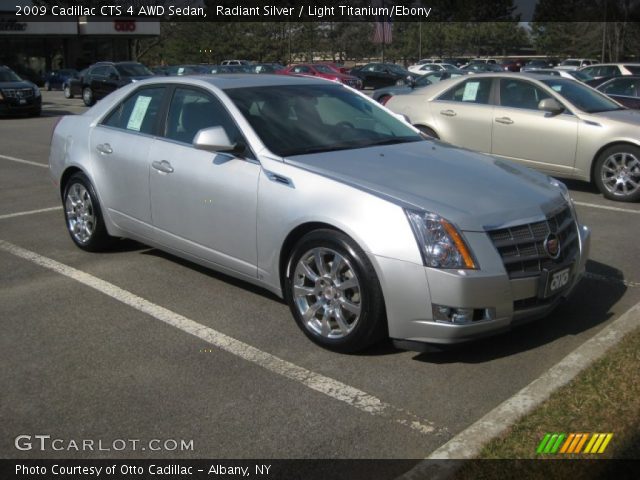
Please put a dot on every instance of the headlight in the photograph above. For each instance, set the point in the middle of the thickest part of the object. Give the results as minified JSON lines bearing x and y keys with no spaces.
{"x":440,"y":243}
{"x":36,"y":92}
{"x":565,"y":194}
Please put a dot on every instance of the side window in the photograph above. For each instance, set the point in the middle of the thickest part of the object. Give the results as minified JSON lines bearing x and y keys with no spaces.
{"x":99,"y":71}
{"x":622,"y":86}
{"x":609,"y":71}
{"x":520,"y":94}
{"x":301,"y":69}
{"x":470,"y":91}
{"x":139,"y":112}
{"x":192,"y":110}
{"x":111,"y":72}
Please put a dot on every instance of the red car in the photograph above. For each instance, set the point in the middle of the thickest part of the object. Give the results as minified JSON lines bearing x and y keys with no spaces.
{"x":323,"y":71}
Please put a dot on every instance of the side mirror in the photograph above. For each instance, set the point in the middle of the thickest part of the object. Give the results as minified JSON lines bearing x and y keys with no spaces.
{"x":213,"y":139}
{"x":550,"y":105}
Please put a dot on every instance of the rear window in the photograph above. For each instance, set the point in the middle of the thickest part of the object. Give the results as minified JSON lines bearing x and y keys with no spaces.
{"x":635,"y":69}
{"x":138,"y":113}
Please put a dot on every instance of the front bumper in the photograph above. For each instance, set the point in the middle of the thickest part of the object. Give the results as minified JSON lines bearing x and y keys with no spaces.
{"x":14,"y":106}
{"x":410,"y":290}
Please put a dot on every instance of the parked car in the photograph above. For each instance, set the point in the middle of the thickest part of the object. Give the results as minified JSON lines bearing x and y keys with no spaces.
{"x":102,"y":78}
{"x":624,"y":90}
{"x":180,"y":70}
{"x":268,"y":68}
{"x":324,"y":198}
{"x":575,"y":63}
{"x":538,"y":64}
{"x":236,"y":62}
{"x":73,"y":86}
{"x":323,"y":71}
{"x":612,"y":69}
{"x":512,"y":64}
{"x":553,"y":124}
{"x":432,"y":67}
{"x":379,"y":75}
{"x":18,"y":96}
{"x":382,"y":95}
{"x":481,"y":68}
{"x":58,"y":78}
{"x":572,"y":74}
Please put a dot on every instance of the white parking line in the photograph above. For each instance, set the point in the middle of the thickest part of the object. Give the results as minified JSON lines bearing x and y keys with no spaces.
{"x":604,"y":207}
{"x":320,"y":383}
{"x":27,"y":162}
{"x":29,"y":212}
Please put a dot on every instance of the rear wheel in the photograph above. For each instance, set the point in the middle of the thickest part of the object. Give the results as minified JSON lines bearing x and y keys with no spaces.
{"x":87,"y":96}
{"x":333,"y":292}
{"x":617,"y":173}
{"x":84,"y":216}
{"x":67,"y":91}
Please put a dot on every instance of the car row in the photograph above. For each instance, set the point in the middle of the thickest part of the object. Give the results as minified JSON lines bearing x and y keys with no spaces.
{"x":322,"y":196}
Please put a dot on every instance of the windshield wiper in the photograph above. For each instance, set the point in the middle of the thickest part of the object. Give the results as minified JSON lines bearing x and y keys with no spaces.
{"x":391,"y":141}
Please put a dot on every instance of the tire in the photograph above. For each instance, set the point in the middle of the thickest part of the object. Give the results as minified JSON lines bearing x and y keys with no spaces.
{"x":616,"y":171}
{"x":87,"y":96}
{"x":343,"y":309}
{"x":67,"y":91}
{"x":83,"y":215}
{"x":427,"y":131}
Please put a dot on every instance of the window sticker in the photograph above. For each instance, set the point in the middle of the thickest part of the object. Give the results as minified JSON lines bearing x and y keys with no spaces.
{"x":180,"y":70}
{"x":138,"y":113}
{"x":470,"y":91}
{"x":557,"y":88}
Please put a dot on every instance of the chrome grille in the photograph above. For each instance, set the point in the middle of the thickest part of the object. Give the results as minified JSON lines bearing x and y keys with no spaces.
{"x":17,"y":92}
{"x":522,"y":247}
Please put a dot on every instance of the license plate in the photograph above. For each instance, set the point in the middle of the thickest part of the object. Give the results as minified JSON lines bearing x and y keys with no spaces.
{"x":556,"y":280}
{"x":22,"y":101}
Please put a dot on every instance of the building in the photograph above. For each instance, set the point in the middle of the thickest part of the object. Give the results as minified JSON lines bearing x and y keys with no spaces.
{"x":35,"y":44}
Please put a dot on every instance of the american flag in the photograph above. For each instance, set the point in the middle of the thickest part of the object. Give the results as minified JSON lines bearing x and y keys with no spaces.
{"x":383,"y":32}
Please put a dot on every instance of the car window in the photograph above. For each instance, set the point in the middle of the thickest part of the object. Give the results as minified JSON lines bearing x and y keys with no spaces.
{"x":102,"y":71}
{"x":583,"y":97}
{"x":520,"y":94}
{"x":192,"y":110}
{"x":139,"y":112}
{"x":634,"y":69}
{"x":301,"y":69}
{"x":469,"y":91}
{"x":621,"y":86}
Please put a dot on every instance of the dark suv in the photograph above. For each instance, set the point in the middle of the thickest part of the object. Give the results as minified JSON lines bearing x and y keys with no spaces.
{"x":18,"y":96}
{"x":102,"y":78}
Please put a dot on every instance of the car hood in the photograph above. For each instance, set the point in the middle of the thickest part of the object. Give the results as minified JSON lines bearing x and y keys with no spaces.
{"x":22,"y":84}
{"x":626,"y":116}
{"x":475,"y":191}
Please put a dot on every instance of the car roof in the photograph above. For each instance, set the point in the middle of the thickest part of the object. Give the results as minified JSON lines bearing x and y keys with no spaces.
{"x":239,"y":80}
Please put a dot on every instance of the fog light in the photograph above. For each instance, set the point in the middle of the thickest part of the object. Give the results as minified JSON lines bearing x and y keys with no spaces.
{"x":459,"y":315}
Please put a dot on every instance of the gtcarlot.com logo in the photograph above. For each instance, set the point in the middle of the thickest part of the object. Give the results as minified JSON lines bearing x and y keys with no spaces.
{"x":46,"y":443}
{"x":563,"y":443}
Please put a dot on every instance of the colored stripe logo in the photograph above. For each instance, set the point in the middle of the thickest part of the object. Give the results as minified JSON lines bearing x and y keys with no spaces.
{"x":585,"y":443}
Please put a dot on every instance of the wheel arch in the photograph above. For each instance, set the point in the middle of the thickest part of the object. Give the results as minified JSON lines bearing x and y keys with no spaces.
{"x":594,"y":160}
{"x":66,"y":175}
{"x":424,"y":125}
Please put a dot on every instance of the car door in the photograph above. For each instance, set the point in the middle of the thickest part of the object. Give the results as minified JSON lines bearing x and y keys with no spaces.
{"x":203,"y":203}
{"x":119,"y":146}
{"x":533,"y":137}
{"x":464,"y":114}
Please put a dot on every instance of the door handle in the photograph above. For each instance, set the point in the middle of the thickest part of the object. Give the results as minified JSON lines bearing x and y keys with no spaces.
{"x":104,"y":148}
{"x":448,"y":113}
{"x":505,"y":120}
{"x":163,"y":166}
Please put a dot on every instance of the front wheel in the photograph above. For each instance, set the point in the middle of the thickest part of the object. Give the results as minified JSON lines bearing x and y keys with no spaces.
{"x":617,"y":173}
{"x":67,"y":91}
{"x":84,"y":216}
{"x":87,"y":96}
{"x":333,"y":292}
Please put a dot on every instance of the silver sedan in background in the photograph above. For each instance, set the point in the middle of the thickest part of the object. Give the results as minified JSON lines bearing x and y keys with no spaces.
{"x":552,"y":124}
{"x":322,"y":196}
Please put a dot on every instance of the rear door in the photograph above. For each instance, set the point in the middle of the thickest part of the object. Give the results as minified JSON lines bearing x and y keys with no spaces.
{"x":119,"y":146}
{"x":464,"y":114}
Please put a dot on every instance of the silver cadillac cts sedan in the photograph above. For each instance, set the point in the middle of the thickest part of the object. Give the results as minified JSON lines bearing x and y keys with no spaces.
{"x":322,"y":196}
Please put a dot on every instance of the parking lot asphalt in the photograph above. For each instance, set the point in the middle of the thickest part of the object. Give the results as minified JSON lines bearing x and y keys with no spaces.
{"x":79,"y":363}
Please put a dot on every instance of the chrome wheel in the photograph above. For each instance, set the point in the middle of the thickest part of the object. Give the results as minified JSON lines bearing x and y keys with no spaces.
{"x":81,"y":217}
{"x":620,"y":174}
{"x":327,"y":293}
{"x":87,"y":96}
{"x":67,"y":91}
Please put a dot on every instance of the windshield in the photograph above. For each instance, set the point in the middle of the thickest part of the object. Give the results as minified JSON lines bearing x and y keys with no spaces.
{"x":7,"y":75}
{"x":571,"y":63}
{"x":299,"y":119}
{"x":585,"y":98}
{"x":133,"y":70}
